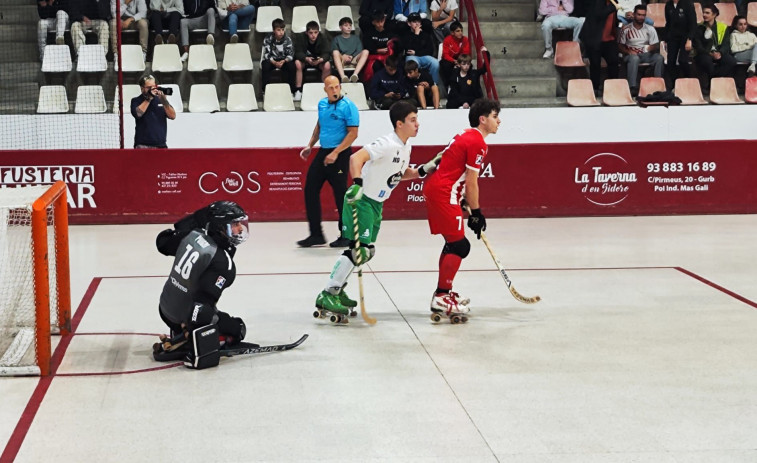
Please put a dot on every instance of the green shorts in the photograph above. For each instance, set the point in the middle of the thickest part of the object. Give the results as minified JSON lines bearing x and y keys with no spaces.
{"x":368,"y":219}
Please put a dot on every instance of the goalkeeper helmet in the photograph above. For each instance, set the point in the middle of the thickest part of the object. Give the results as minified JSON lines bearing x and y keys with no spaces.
{"x":230,"y":220}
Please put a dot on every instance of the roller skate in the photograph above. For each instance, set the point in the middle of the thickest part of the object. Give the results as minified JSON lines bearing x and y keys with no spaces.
{"x":461,"y":300}
{"x":347,"y":302}
{"x":444,"y":305}
{"x":328,"y":306}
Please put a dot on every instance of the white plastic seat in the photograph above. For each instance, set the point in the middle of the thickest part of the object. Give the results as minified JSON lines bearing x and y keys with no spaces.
{"x":165,"y":58}
{"x":91,"y":59}
{"x":52,"y":100}
{"x":355,"y":91}
{"x":175,"y":97}
{"x":57,"y":58}
{"x":90,"y":99}
{"x":312,"y":93}
{"x":278,"y":98}
{"x":132,"y":59}
{"x":241,"y":98}
{"x":237,"y":57}
{"x":302,"y":15}
{"x":202,"y":58}
{"x":266,"y":15}
{"x":130,"y":91}
{"x":203,"y":98}
{"x":334,"y":14}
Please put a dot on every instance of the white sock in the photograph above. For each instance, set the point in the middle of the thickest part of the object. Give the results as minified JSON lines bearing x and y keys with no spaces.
{"x":342,"y":270}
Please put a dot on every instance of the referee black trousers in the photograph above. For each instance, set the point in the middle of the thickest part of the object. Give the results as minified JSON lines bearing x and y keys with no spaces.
{"x":318,"y":174}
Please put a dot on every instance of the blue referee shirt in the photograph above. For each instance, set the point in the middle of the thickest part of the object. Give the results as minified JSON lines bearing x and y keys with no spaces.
{"x":334,"y":118}
{"x":151,"y":128}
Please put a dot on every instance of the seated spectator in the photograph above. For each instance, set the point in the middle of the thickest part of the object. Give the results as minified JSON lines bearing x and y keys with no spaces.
{"x":347,"y":50}
{"x":419,"y":46}
{"x":235,"y":15}
{"x":376,"y":39}
{"x":712,"y":45}
{"x":419,"y":83}
{"x":443,"y":14}
{"x":626,"y":12}
{"x":639,"y":44}
{"x":743,"y":44}
{"x":404,"y":8}
{"x":90,"y":15}
{"x":133,"y":17}
{"x":453,"y":46}
{"x":165,"y":13}
{"x":311,"y":50}
{"x":278,"y":53}
{"x":370,"y":8}
{"x":556,"y":14}
{"x":465,"y":86}
{"x":198,"y":14}
{"x":52,"y":17}
{"x":388,"y":85}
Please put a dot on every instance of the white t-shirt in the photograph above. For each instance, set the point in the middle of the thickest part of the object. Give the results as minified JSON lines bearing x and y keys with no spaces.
{"x":389,"y":159}
{"x":636,"y":39}
{"x":451,"y":5}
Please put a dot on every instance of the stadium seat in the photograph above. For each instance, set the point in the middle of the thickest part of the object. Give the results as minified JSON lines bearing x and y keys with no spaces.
{"x":57,"y":58}
{"x":165,"y":58}
{"x":266,"y":15}
{"x":132,"y":59}
{"x":698,"y":11}
{"x":568,"y":54}
{"x":751,"y":14}
{"x":750,"y":95}
{"x":301,"y":15}
{"x":312,"y":93}
{"x":175,"y":97}
{"x":727,"y":12}
{"x":278,"y":97}
{"x":334,"y":14}
{"x":52,"y":99}
{"x":355,"y":92}
{"x":237,"y":57}
{"x":90,"y":99}
{"x":581,"y":93}
{"x":617,"y":93}
{"x":723,"y":91}
{"x":656,"y":12}
{"x":202,"y":58}
{"x":241,"y":98}
{"x":689,"y":91}
{"x":203,"y":98}
{"x":130,"y":91}
{"x":650,"y":85}
{"x":91,"y":59}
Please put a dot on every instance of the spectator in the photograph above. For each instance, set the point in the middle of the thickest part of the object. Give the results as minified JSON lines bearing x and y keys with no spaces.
{"x":52,"y":17}
{"x":712,"y":45}
{"x":370,"y":8}
{"x":443,"y":14}
{"x":626,"y":12}
{"x":235,"y":15}
{"x":199,"y":14}
{"x":165,"y":13}
{"x":465,"y":86}
{"x":347,"y":49}
{"x":311,"y":50}
{"x":598,"y":35}
{"x":680,"y":24}
{"x":419,"y":46}
{"x":388,"y":85}
{"x":376,"y":39}
{"x":278,"y":53}
{"x":743,"y":44}
{"x":556,"y":14}
{"x":419,"y":83}
{"x":639,"y":44}
{"x":90,"y":15}
{"x":404,"y":8}
{"x":151,"y":110}
{"x":454,"y":45}
{"x":133,"y":17}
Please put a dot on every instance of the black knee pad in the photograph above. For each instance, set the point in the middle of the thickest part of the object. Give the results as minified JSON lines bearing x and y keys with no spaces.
{"x":460,"y":248}
{"x":202,"y":314}
{"x":368,"y":252}
{"x":231,"y":326}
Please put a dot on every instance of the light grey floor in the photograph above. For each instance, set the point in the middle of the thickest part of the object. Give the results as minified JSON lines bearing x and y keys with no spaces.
{"x":629,"y":357}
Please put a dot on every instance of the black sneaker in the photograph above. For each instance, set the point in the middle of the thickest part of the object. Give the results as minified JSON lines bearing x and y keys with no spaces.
{"x":311,"y":241}
{"x":340,"y":243}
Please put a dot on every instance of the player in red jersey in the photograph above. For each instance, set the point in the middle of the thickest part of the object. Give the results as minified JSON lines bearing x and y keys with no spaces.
{"x":457,"y":175}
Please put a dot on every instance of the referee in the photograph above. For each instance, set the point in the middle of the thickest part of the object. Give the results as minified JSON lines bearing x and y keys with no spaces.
{"x":336,"y":127}
{"x":151,"y":109}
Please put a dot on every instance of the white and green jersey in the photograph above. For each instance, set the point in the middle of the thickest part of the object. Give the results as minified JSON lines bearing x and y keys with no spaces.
{"x":389,"y":159}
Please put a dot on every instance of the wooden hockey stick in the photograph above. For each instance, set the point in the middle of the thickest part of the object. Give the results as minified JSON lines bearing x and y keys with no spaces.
{"x":368,"y":319}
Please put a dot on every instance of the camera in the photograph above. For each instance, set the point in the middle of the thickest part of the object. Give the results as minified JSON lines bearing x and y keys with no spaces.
{"x":166,"y":90}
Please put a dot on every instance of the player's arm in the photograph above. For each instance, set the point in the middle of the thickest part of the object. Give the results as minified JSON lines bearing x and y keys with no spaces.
{"x":305,"y":152}
{"x":471,"y":188}
{"x":357,"y":161}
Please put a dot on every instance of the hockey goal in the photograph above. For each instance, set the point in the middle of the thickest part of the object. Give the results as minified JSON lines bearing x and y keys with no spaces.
{"x":35,"y":298}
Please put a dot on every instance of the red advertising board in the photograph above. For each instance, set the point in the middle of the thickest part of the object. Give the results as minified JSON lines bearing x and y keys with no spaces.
{"x":154,"y":186}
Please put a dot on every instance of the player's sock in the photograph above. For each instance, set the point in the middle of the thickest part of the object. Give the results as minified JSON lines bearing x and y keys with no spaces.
{"x":448,"y":266}
{"x":339,"y":275}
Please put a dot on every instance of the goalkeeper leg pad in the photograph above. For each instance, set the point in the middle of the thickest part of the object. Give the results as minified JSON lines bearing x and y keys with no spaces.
{"x":205,"y":344}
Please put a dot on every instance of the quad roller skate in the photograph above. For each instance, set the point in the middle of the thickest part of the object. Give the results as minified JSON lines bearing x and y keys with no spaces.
{"x":446,"y":306}
{"x":328,"y":306}
{"x":347,"y":302}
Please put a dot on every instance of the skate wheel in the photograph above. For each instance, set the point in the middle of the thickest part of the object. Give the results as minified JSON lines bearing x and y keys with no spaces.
{"x":353,"y":314}
{"x":436,"y":318}
{"x":455,"y":319}
{"x":335,"y":319}
{"x":465,"y":319}
{"x":344,"y":319}
{"x":317,"y":314}
{"x":157,"y":347}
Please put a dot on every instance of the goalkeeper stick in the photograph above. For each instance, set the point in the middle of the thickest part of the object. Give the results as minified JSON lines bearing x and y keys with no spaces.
{"x":368,"y":319}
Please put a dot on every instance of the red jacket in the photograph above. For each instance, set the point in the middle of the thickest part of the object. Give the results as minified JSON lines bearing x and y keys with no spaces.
{"x":451,"y":48}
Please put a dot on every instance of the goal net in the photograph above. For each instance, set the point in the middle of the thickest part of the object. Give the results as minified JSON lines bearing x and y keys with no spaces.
{"x":34,"y":282}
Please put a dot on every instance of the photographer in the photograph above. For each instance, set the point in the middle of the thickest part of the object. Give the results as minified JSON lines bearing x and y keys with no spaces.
{"x":150,"y":109}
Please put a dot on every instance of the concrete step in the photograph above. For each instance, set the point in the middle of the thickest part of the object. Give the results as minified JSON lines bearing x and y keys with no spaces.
{"x":13,"y":33}
{"x":521,"y":11}
{"x":19,"y":52}
{"x":19,"y":94}
{"x":534,"y":102}
{"x":511,"y":30}
{"x":526,"y":87}
{"x":16,"y":14}
{"x":515,"y":48}
{"x":12,"y":73}
{"x":523,"y":67}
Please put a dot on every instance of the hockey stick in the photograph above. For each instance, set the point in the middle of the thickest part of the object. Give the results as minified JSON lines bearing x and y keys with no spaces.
{"x":368,"y":319}
{"x":261,"y":349}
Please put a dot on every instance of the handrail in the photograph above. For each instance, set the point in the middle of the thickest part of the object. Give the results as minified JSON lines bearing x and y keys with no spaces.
{"x":477,"y":40}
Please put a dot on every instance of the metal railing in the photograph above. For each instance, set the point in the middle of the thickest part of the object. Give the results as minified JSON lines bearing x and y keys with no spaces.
{"x":468,"y":10}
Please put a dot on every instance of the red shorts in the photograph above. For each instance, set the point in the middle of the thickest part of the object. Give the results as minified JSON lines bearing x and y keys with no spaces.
{"x":444,"y":218}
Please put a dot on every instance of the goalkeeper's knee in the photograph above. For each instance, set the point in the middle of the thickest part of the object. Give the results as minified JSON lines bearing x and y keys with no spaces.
{"x":460,"y":248}
{"x":365,"y":253}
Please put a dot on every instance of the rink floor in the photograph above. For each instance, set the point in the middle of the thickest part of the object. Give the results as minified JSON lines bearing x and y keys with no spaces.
{"x":643,"y":349}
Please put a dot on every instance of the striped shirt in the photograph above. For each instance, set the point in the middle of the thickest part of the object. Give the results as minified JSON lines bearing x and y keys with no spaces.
{"x":636,"y":39}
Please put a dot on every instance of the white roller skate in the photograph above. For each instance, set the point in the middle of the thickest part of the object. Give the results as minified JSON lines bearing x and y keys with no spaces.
{"x":461,"y":300}
{"x":445,"y":305}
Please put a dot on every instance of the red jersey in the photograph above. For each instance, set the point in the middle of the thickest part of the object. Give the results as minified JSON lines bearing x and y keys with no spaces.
{"x":466,"y":151}
{"x":452,"y":48}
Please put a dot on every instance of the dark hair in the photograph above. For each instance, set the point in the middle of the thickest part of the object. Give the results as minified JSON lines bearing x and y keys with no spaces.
{"x":736,"y":20}
{"x":400,"y":110}
{"x":455,"y":26}
{"x":639,"y":7}
{"x":143,"y":80}
{"x":712,"y":8}
{"x":312,"y":26}
{"x":377,"y":15}
{"x":278,"y":23}
{"x":392,"y":61}
{"x":345,"y":20}
{"x":411,"y":65}
{"x":481,"y":107}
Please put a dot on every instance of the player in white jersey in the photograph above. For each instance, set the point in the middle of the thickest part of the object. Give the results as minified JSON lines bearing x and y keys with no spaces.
{"x":375,"y":169}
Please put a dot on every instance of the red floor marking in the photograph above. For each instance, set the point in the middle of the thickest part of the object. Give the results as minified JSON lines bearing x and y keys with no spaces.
{"x":718,"y":287}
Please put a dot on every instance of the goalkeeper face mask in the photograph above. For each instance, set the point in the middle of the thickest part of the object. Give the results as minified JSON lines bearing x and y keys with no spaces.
{"x":238,"y":230}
